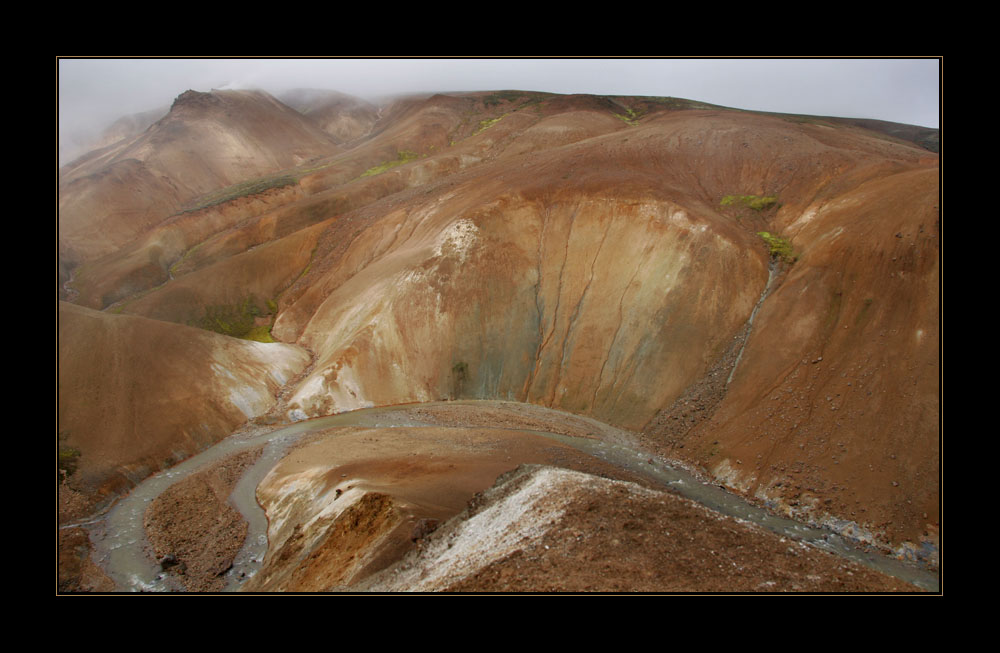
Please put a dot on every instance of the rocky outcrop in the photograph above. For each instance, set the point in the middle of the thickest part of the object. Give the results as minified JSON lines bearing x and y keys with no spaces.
{"x":544,"y":529}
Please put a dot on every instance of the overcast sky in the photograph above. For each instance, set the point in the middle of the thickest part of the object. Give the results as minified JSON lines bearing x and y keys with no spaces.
{"x":94,"y":92}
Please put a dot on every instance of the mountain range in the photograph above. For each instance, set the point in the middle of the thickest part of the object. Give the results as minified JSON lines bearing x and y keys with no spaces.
{"x":752,"y":296}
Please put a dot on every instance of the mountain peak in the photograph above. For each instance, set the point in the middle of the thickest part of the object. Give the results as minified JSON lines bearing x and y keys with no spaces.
{"x":195,"y":99}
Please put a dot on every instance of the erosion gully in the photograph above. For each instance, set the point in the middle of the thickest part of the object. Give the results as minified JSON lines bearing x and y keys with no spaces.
{"x":122,"y":549}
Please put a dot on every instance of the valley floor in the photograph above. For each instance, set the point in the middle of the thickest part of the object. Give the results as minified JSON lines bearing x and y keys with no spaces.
{"x":605,"y":530}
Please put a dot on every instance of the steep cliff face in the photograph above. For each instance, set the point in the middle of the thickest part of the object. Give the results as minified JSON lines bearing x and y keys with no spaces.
{"x":604,"y":278}
{"x":580,"y":303}
{"x":602,"y":256}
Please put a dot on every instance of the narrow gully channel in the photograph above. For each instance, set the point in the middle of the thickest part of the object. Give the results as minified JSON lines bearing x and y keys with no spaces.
{"x":771,"y":270}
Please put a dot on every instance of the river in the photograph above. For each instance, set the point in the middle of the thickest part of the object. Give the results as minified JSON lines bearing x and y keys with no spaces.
{"x":120,"y":545}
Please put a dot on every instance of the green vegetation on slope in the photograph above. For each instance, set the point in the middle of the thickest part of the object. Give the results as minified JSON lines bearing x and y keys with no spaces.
{"x":780,"y":248}
{"x":486,"y":124}
{"x":680,"y":104}
{"x":184,"y":257}
{"x":244,"y":189}
{"x":528,"y":97}
{"x":261,"y":333}
{"x":632,"y":119}
{"x":499,"y":97}
{"x":403,"y":156}
{"x":755,"y":202}
{"x":236,"y":320}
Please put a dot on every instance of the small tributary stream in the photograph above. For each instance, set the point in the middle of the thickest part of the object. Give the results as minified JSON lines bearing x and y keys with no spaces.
{"x":121,"y":547}
{"x":771,"y":273}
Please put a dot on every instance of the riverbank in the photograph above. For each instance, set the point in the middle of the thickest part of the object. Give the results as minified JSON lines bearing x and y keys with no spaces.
{"x":429,"y":463}
{"x":193,"y":530}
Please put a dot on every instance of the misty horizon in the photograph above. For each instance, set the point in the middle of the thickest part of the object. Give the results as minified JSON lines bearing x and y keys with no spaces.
{"x":94,"y":93}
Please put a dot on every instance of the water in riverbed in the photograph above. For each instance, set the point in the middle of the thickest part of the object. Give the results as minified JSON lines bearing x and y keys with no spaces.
{"x":122,"y":549}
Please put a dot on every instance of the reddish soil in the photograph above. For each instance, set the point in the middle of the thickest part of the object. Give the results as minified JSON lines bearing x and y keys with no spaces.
{"x":624,"y":542}
{"x":76,"y":571}
{"x":193,"y":527}
{"x":137,"y":395}
{"x":409,"y":479}
{"x":618,"y":540}
{"x":595,"y":270}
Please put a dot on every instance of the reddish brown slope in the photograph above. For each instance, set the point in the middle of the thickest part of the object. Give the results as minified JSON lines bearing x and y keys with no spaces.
{"x":141,"y":249}
{"x":562,"y":259}
{"x":207,"y":141}
{"x":605,"y":278}
{"x":542,"y":529}
{"x":166,"y":250}
{"x":138,"y":395}
{"x":258,"y":276}
{"x":575,"y":252}
{"x":834,"y":409}
{"x":344,"y":117}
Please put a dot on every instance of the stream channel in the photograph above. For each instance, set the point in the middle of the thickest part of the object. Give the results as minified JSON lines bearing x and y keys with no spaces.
{"x":121,"y":547}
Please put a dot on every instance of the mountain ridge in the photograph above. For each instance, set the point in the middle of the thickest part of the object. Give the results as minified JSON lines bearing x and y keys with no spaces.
{"x":590,"y":254}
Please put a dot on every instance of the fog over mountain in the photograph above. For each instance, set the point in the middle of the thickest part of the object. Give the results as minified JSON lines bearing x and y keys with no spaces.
{"x":495,"y":339}
{"x":95,"y":92}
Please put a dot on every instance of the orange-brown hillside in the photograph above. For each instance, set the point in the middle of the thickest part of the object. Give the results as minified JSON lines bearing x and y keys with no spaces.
{"x":137,"y":395}
{"x":207,"y":141}
{"x":758,"y":295}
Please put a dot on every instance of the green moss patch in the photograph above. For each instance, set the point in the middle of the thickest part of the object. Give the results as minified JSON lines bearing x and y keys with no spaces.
{"x":755,"y":202}
{"x":244,"y":189}
{"x":524,"y":97}
{"x":780,"y":248}
{"x":184,"y":257}
{"x":403,"y":156}
{"x":260,"y":333}
{"x":500,"y":97}
{"x":630,"y":118}
{"x":237,"y":320}
{"x":486,"y":124}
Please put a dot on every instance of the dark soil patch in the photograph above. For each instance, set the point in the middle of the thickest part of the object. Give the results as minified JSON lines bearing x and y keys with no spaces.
{"x":194,"y":530}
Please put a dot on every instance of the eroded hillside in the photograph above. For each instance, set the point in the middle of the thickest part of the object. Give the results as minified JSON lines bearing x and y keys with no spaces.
{"x":601,"y":256}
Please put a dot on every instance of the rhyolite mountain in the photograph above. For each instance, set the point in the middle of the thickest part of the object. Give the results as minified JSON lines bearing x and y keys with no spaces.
{"x":206,"y":141}
{"x":757,"y":294}
{"x":344,"y":117}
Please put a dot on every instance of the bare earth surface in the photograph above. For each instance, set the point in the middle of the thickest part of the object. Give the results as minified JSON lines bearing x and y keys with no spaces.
{"x":578,"y":253}
{"x":76,"y":571}
{"x":349,"y":501}
{"x":194,"y":529}
{"x":616,"y":538}
{"x":472,"y":502}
